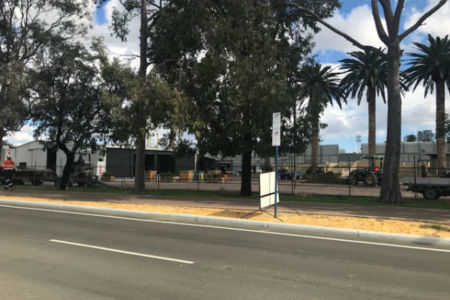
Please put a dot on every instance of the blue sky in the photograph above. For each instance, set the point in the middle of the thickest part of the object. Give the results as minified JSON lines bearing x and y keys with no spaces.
{"x":100,"y":16}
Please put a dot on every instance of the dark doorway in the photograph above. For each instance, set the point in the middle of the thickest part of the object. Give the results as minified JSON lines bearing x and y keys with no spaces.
{"x":166,"y":163}
{"x":51,"y":158}
{"x":149,"y":162}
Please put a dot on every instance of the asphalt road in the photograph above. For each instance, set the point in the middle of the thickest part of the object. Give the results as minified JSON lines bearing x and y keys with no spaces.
{"x":48,"y":255}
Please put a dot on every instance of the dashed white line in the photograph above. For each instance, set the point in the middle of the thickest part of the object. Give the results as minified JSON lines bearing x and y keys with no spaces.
{"x":123,"y":252}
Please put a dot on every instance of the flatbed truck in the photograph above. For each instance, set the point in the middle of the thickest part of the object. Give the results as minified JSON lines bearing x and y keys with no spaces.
{"x":431,"y":187}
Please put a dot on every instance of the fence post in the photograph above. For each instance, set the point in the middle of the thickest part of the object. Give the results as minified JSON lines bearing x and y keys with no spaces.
{"x":349,"y":180}
{"x":198,"y":181}
{"x":294,"y":177}
{"x":415,"y":178}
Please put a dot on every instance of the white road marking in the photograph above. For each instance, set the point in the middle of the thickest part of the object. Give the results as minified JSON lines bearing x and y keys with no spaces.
{"x":229,"y":228}
{"x":123,"y":252}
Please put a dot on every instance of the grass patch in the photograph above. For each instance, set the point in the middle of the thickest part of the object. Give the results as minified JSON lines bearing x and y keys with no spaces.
{"x":227,"y":195}
{"x":369,"y":201}
{"x":221,"y":194}
{"x":438,"y":227}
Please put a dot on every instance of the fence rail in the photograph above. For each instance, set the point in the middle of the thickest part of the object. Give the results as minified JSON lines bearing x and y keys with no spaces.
{"x":331,"y":179}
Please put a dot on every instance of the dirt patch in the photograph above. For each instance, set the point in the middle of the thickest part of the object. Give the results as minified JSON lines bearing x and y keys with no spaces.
{"x":359,"y":223}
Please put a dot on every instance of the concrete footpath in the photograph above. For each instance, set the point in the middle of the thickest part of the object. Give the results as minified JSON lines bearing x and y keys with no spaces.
{"x":441,"y":216}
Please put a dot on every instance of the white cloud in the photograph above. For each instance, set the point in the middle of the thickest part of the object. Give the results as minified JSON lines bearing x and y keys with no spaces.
{"x":418,"y":113}
{"x":117,"y":48}
{"x":358,"y":24}
{"x":438,"y":24}
{"x":25,"y":135}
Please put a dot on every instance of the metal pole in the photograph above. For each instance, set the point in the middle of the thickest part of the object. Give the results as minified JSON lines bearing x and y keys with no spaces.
{"x":295,"y":176}
{"x":276,"y":181}
{"x":415,"y":178}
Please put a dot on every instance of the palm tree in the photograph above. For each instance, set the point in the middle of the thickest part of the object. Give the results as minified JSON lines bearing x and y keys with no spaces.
{"x":321,"y":86}
{"x":366,"y":72}
{"x":431,"y":67}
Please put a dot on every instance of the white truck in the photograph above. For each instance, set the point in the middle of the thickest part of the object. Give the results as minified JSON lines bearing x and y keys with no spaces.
{"x":430,"y":187}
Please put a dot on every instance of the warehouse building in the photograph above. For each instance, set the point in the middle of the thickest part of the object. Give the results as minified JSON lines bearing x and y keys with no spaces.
{"x":120,"y":162}
{"x":410,"y":151}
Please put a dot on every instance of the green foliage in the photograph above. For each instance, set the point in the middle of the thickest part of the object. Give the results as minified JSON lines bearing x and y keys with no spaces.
{"x":106,"y":176}
{"x":166,"y":175}
{"x":366,"y":69}
{"x":297,"y":130}
{"x":26,"y":26}
{"x":66,"y":104}
{"x":430,"y":65}
{"x":138,"y":105}
{"x":236,"y":62}
{"x":130,"y":10}
{"x":321,"y":86}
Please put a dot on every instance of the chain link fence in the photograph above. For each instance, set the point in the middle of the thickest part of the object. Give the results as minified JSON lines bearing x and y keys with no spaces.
{"x":354,"y":177}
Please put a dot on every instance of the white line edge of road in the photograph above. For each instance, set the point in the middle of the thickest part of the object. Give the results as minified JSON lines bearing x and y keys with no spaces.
{"x":231,"y":221}
{"x":123,"y":252}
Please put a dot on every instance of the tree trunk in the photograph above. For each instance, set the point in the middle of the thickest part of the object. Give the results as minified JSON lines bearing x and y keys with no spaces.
{"x":371,"y":98}
{"x":143,"y":40}
{"x":172,"y":136}
{"x":390,"y":187}
{"x":246,"y":180}
{"x":267,"y":164}
{"x":68,"y":168}
{"x":441,"y":150}
{"x":2,"y":135}
{"x":315,"y":146}
{"x":139,"y":183}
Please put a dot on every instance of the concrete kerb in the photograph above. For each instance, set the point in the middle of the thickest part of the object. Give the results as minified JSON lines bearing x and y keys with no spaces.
{"x":230,"y":223}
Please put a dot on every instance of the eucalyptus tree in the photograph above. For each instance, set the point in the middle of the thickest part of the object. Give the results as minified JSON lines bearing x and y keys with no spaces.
{"x":391,"y":36}
{"x":320,"y":85}
{"x":66,"y":104}
{"x":366,"y":72}
{"x":26,"y":26}
{"x":431,"y":67}
{"x":138,"y":105}
{"x":148,"y":12}
{"x":233,"y":60}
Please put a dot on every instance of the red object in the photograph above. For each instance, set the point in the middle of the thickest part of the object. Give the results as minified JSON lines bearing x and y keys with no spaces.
{"x":8,"y":165}
{"x":376,"y":169}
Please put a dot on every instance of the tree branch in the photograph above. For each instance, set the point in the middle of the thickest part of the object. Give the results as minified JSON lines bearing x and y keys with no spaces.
{"x":380,"y":29}
{"x":387,"y":8}
{"x":398,"y":13}
{"x":327,"y":25}
{"x":422,"y":19}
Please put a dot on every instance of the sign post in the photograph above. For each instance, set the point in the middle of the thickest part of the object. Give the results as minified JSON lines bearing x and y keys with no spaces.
{"x":276,"y":142}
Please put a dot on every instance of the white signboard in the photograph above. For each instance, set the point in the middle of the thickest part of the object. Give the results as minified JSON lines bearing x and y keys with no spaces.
{"x":276,"y":129}
{"x":267,"y":190}
{"x":276,"y":138}
{"x":276,"y":121}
